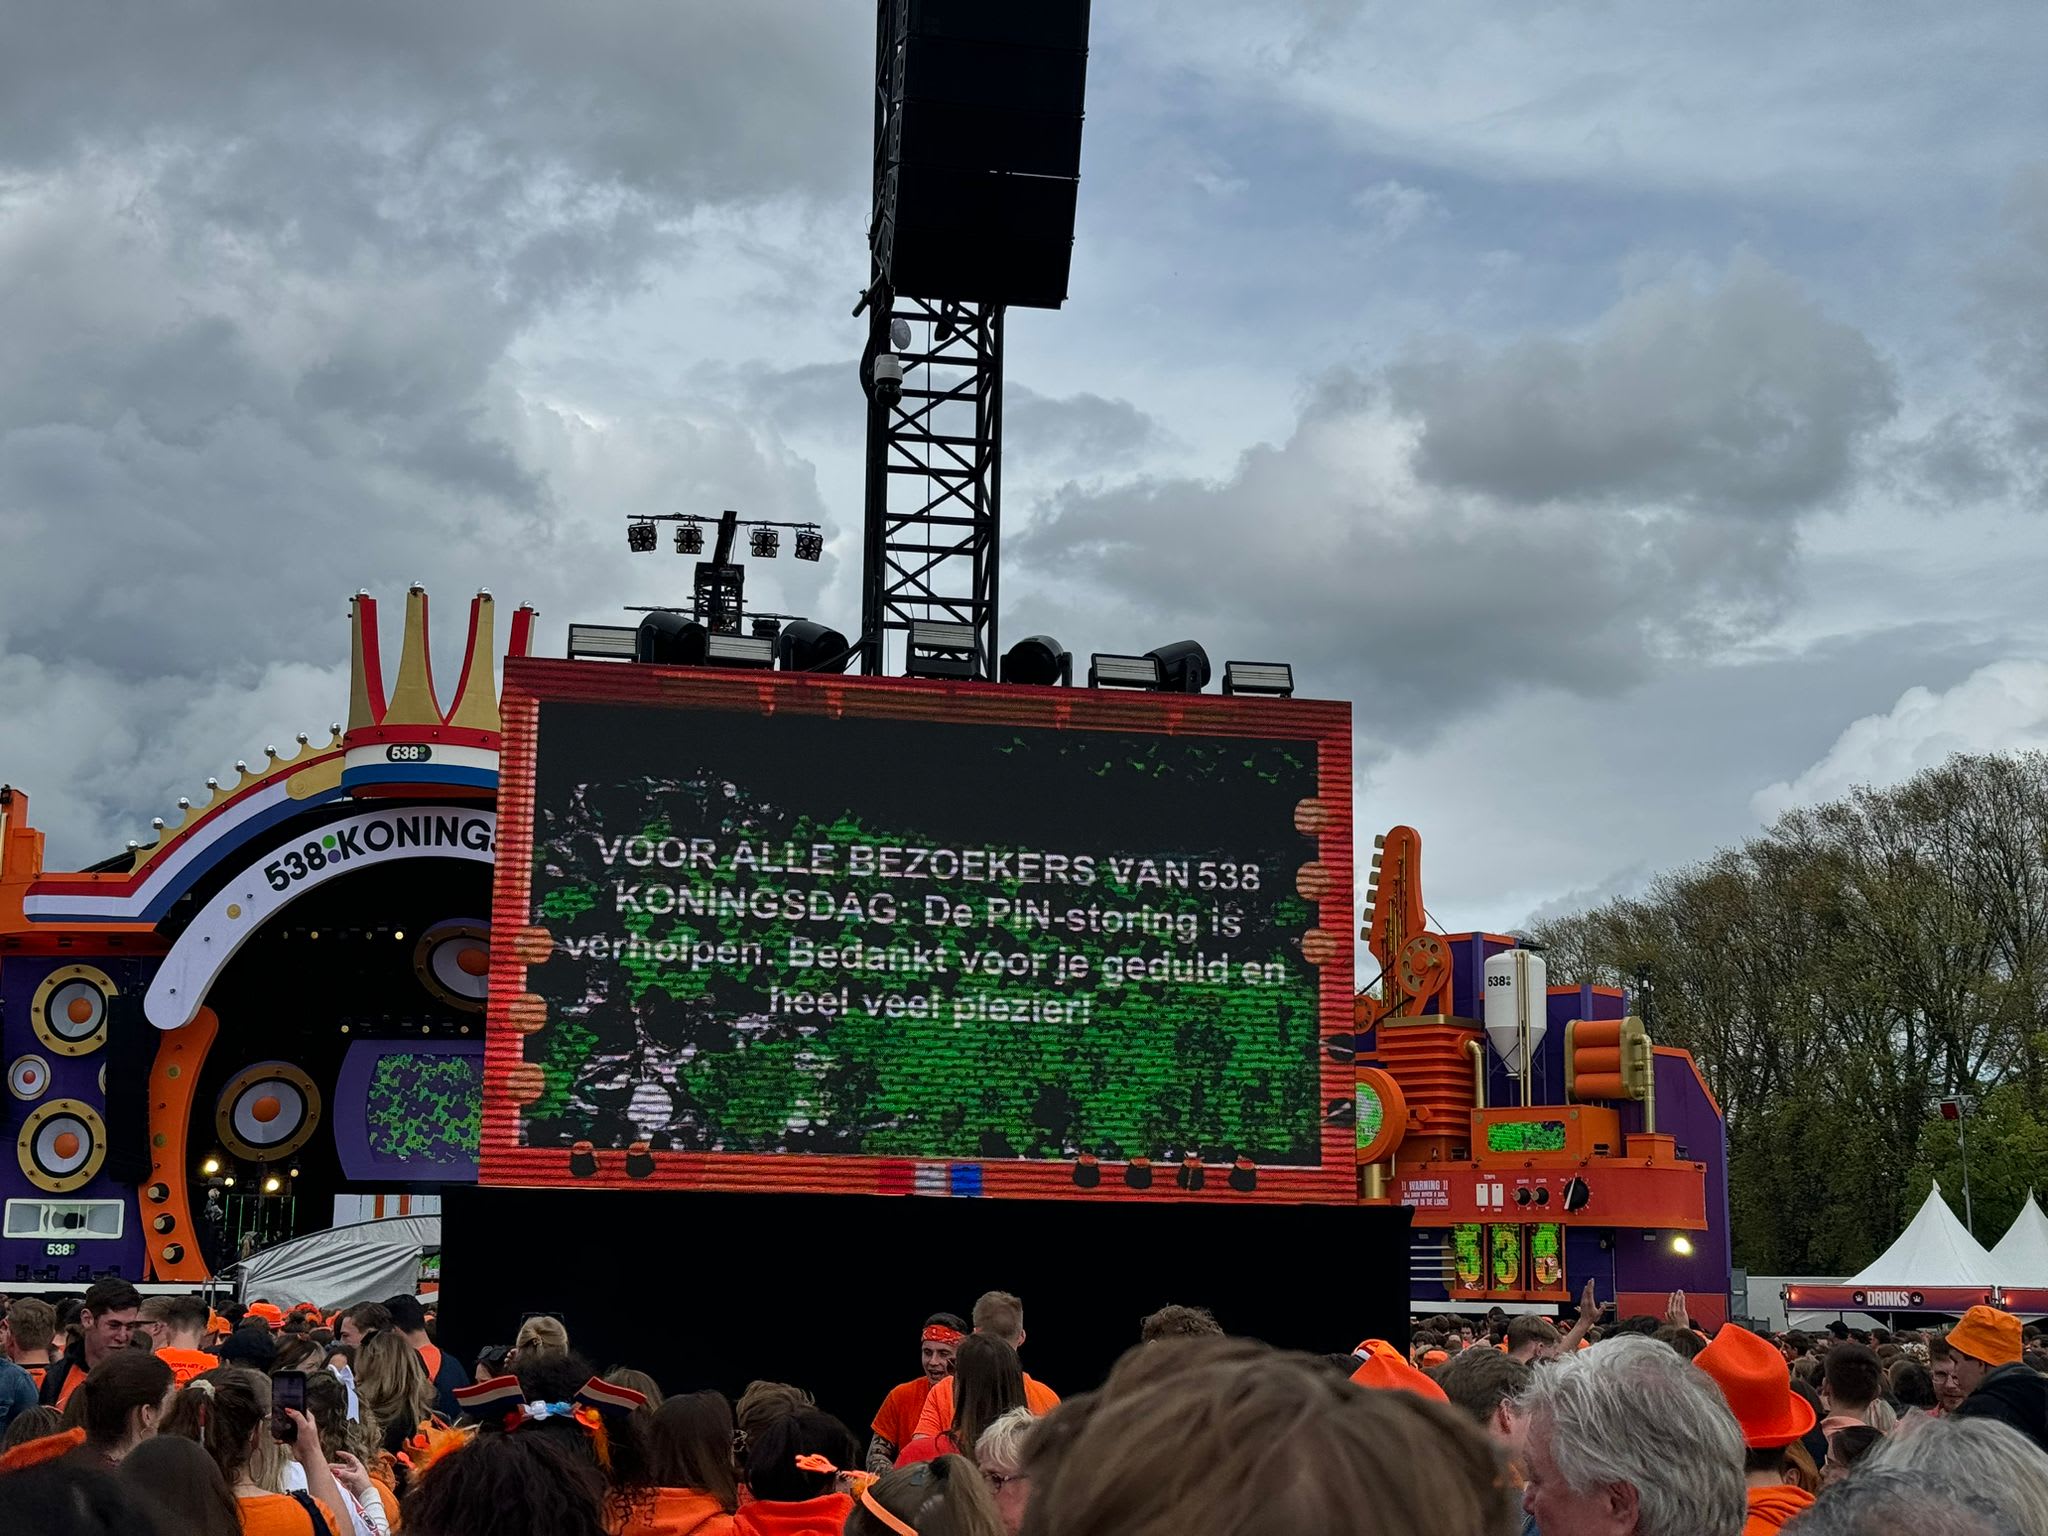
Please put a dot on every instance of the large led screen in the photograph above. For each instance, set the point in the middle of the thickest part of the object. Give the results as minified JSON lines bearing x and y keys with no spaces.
{"x":904,"y":937}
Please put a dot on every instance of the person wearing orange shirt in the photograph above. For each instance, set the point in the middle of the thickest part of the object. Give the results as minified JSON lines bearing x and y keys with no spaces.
{"x":112,"y":1308}
{"x":1001,"y":1314}
{"x":176,"y":1325}
{"x":444,"y":1370}
{"x":1753,"y":1376}
{"x":25,"y":1337}
{"x":895,"y":1422}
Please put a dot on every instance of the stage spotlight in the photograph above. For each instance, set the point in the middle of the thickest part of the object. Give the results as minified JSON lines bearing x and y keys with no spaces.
{"x":808,"y":646}
{"x":899,"y":334}
{"x":810,"y":544}
{"x":670,"y":640}
{"x":640,"y":536}
{"x":1110,"y":671}
{"x":229,"y":1181}
{"x":1275,"y":679}
{"x":940,"y":648}
{"x":1183,"y":666}
{"x":689,"y":539}
{"x":272,"y":1185}
{"x":210,"y":1167}
{"x":1682,"y":1246}
{"x":738,"y":651}
{"x":1039,"y":660}
{"x":763,"y":542}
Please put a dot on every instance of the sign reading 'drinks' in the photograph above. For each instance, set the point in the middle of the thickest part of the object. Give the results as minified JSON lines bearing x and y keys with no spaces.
{"x":841,"y":934}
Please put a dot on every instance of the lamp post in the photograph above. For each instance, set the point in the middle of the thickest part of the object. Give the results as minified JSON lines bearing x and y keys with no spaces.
{"x":1957,"y":1107}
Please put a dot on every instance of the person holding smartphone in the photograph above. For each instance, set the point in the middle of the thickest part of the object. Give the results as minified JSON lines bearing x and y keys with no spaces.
{"x":228,"y":1412}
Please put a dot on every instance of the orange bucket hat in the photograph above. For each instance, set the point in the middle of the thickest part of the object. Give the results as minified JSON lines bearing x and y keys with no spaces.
{"x":1380,"y":1366}
{"x":1754,"y":1378}
{"x":268,"y":1312}
{"x":1987,"y":1334}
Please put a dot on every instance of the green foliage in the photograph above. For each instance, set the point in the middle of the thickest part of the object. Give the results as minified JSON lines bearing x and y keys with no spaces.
{"x":1836,"y":977}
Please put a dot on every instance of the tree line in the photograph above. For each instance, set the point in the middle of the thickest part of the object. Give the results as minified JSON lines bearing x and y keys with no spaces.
{"x":1837,"y":977}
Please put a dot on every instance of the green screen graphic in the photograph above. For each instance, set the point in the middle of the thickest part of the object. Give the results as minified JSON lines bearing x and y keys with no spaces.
{"x":1546,"y":1254}
{"x":1468,"y":1254}
{"x":1372,"y":1114}
{"x":914,"y":939}
{"x":1506,"y":1245}
{"x":424,"y":1108}
{"x":1525,"y":1136}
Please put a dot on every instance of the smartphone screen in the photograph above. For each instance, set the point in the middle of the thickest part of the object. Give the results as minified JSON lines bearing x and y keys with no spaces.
{"x":287,"y":1390}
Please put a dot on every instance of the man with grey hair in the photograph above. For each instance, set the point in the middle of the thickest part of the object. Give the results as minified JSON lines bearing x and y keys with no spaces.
{"x":1891,"y":1501}
{"x":2001,"y":1466}
{"x":1627,"y":1439}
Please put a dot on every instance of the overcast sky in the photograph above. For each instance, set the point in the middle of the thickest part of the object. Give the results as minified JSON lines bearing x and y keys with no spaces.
{"x":1639,"y":412}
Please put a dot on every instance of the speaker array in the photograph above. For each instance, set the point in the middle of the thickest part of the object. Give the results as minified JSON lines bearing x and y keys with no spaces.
{"x":267,"y":1112}
{"x":61,"y":1145}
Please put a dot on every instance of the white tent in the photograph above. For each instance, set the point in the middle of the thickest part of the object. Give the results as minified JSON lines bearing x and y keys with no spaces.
{"x":366,"y":1261}
{"x":2021,"y":1256}
{"x":1934,"y":1250}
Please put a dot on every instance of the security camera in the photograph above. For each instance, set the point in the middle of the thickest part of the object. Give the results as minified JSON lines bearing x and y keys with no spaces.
{"x":888,"y":378}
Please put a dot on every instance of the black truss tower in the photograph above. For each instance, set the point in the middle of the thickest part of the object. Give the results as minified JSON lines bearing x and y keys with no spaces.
{"x":933,"y":494}
{"x":934,"y":474}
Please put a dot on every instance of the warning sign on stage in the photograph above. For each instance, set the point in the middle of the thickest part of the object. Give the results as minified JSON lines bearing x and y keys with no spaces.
{"x":871,"y":935}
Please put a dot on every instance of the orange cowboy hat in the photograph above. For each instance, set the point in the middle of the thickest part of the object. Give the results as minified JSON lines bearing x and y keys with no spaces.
{"x":1380,"y":1366}
{"x":1754,"y":1378}
{"x":1987,"y":1334}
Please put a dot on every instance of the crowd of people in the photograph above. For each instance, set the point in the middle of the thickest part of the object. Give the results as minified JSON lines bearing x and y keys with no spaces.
{"x":159,"y":1417}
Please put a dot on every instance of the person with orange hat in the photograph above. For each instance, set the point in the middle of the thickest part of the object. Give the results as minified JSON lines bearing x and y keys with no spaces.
{"x":1984,"y":1343}
{"x":1381,"y":1365}
{"x":1754,"y":1378}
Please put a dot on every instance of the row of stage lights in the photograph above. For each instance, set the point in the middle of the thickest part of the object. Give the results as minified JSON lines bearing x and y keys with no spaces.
{"x":216,"y":1172}
{"x":764,"y":540}
{"x":944,"y":650}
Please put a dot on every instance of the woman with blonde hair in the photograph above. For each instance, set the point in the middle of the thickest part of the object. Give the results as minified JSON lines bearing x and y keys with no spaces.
{"x":393,"y":1387}
{"x":537,"y":1334}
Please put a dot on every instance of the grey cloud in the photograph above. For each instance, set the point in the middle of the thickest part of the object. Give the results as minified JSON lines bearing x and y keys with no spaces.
{"x":1081,"y":434}
{"x":1742,"y":395}
{"x":1396,"y":549}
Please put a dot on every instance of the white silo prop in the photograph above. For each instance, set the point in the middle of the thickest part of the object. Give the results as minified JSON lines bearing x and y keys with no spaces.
{"x":1517,"y":1009}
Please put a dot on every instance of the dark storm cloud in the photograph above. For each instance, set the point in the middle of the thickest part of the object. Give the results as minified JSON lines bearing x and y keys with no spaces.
{"x":1741,"y":395}
{"x":1424,"y":566}
{"x":262,"y":271}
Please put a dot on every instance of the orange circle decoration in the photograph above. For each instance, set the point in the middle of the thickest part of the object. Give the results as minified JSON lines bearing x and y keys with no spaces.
{"x":1424,"y":962}
{"x":61,"y":1146}
{"x":28,"y":1077}
{"x":69,"y":1010}
{"x":1382,"y":1114}
{"x":267,"y":1112}
{"x":453,"y":961}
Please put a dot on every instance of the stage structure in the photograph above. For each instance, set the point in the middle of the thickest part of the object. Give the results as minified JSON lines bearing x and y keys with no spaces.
{"x":754,"y":930}
{"x":977,"y":158}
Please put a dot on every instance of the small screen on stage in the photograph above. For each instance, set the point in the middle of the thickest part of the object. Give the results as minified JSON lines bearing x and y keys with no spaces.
{"x":899,"y":937}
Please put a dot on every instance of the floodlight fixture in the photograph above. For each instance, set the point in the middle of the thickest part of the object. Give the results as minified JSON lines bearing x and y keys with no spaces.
{"x":1107,"y":670}
{"x":940,"y":648}
{"x":739,"y":651}
{"x":1039,"y":660}
{"x":805,"y":645}
{"x":690,"y":538}
{"x":899,"y":334}
{"x":1274,"y":679}
{"x":640,"y":536}
{"x":810,"y":544}
{"x":763,"y":542}
{"x":1183,"y":666}
{"x":670,"y":640}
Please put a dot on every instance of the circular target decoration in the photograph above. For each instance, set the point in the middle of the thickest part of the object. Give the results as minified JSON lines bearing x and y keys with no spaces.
{"x":28,"y":1077}
{"x":69,"y":1011}
{"x":61,"y":1145}
{"x":453,"y":961}
{"x":267,"y":1112}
